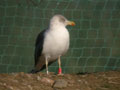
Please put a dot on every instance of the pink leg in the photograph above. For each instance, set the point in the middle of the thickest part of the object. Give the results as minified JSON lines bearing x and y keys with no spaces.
{"x":60,"y":69}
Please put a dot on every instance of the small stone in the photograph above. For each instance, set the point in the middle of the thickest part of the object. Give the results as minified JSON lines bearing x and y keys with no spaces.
{"x":28,"y":75}
{"x":4,"y":84}
{"x":47,"y":81}
{"x":10,"y":87}
{"x":70,"y":85}
{"x":80,"y":81}
{"x":71,"y":81}
{"x":77,"y":89}
{"x":38,"y":78}
{"x":60,"y":83}
{"x":68,"y":76}
{"x":30,"y":87}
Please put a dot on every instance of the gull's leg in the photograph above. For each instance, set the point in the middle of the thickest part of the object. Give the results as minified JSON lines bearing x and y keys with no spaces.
{"x":59,"y":63}
{"x":46,"y":61}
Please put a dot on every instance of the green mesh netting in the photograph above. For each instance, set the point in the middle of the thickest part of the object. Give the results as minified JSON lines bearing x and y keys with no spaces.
{"x":95,"y":40}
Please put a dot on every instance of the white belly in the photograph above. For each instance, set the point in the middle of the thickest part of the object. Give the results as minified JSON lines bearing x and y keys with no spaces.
{"x":56,"y":43}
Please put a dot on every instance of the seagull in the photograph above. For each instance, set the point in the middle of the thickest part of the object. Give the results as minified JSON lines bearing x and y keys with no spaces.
{"x":52,"y":43}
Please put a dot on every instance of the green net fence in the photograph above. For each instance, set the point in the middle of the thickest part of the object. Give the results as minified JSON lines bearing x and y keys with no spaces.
{"x":95,"y":40}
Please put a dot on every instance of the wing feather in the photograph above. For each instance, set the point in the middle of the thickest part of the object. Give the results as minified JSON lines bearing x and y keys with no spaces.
{"x":39,"y":46}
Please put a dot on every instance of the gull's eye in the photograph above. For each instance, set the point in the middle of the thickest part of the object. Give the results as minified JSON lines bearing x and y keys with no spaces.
{"x":62,"y":19}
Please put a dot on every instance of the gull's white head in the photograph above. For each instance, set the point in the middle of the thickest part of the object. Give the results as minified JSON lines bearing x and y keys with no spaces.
{"x":59,"y":20}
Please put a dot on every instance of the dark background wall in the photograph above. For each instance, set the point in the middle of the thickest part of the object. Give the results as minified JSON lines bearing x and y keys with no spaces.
{"x":95,"y":40}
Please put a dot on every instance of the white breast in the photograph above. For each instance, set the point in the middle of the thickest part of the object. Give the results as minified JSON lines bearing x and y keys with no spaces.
{"x":56,"y":43}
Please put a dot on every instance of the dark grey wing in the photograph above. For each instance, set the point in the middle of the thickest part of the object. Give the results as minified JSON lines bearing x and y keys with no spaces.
{"x":39,"y":46}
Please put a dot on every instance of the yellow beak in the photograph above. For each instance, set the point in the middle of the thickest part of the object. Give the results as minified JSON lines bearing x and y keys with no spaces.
{"x":71,"y":23}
